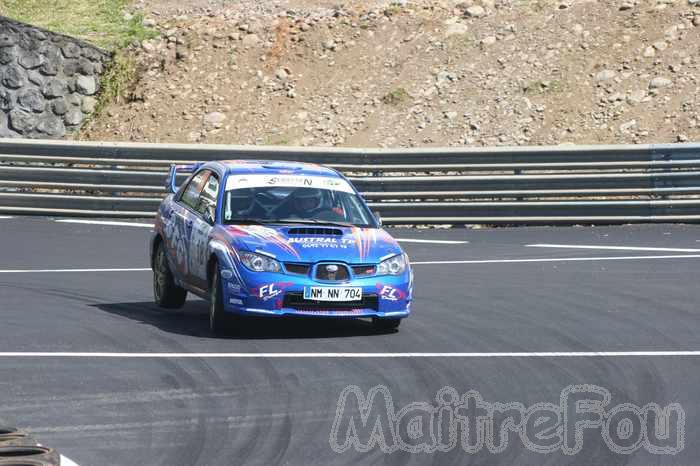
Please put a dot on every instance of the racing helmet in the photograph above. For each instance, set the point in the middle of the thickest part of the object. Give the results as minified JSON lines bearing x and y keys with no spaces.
{"x":307,"y":199}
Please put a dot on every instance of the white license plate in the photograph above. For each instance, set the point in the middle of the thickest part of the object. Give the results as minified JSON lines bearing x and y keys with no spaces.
{"x":335,"y":293}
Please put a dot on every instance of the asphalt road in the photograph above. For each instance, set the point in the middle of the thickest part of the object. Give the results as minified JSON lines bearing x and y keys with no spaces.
{"x":497,"y":295}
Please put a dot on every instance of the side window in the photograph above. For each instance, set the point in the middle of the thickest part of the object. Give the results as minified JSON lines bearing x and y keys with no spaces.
{"x":209,"y":194}
{"x":190,"y":196}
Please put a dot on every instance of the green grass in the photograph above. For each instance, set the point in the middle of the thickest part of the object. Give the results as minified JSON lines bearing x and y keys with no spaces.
{"x":392,"y":10}
{"x":272,"y":140}
{"x":542,"y":87}
{"x":118,"y":79}
{"x":395,"y":96}
{"x":100,"y":22}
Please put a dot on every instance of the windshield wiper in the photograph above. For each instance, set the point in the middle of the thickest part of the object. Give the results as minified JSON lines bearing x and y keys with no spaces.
{"x":312,"y":222}
{"x":245,"y":221}
{"x":305,"y":221}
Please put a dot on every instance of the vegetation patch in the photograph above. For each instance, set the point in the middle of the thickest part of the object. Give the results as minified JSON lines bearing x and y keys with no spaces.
{"x":542,"y":86}
{"x":118,"y":81}
{"x":104,"y":23}
{"x":395,"y":96}
{"x":393,"y":10}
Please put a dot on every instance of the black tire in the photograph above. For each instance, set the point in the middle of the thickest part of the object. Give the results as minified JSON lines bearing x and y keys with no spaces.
{"x":219,"y":320}
{"x":384,"y":324}
{"x":165,"y":291}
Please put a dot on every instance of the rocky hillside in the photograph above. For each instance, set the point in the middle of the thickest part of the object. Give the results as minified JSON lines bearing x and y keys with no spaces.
{"x":481,"y":72}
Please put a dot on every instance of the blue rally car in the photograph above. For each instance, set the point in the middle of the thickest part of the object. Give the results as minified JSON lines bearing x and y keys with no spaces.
{"x":276,"y":238}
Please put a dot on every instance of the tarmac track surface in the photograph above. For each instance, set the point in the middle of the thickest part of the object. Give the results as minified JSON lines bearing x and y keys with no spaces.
{"x":230,"y":408}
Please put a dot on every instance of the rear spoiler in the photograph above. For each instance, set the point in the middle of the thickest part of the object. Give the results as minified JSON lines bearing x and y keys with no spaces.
{"x":171,"y":180}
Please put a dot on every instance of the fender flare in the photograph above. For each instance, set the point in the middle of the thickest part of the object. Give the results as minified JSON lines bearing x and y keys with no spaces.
{"x":227,"y":258}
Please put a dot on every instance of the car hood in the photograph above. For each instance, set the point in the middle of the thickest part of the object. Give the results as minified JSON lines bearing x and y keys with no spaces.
{"x":306,"y":243}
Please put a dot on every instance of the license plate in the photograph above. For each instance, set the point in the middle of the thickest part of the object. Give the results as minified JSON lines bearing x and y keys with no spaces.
{"x":335,"y":293}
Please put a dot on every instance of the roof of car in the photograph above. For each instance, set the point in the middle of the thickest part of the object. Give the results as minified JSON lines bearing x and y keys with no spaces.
{"x":275,"y":167}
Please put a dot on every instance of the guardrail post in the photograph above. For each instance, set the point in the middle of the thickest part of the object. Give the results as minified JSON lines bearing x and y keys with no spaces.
{"x":518,"y":171}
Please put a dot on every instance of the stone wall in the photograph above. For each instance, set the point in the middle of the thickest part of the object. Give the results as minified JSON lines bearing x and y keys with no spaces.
{"x":48,"y":81}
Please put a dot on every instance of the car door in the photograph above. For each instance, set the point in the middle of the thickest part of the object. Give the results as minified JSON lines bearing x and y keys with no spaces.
{"x":203,"y":223}
{"x":179,"y":230}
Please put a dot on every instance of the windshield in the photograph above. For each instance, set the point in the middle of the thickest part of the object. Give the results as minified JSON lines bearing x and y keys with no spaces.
{"x":270,"y":204}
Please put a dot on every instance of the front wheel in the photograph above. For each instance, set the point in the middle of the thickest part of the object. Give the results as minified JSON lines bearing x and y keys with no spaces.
{"x":384,"y":324}
{"x":165,"y":291}
{"x":219,"y":321}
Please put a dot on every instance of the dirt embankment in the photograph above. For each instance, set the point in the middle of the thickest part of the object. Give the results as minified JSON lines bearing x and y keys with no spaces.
{"x":489,"y":72}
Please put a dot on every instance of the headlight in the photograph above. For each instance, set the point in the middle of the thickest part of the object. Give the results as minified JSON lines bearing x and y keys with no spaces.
{"x":259,"y":263}
{"x":393,"y":266}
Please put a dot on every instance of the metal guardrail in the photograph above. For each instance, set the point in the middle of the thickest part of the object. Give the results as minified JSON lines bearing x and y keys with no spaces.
{"x":512,"y":185}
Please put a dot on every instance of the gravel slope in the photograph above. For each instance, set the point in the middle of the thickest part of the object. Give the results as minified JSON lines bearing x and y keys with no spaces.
{"x":418,"y":73}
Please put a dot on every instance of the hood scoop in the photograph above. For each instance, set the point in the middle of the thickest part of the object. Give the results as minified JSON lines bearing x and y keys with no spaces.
{"x":314,"y":231}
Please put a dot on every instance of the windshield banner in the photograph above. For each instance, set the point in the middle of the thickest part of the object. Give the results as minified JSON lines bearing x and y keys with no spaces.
{"x":291,"y":181}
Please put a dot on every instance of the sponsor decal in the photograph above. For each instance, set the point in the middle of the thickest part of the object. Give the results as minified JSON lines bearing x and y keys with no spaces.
{"x":361,"y":238}
{"x":390,"y":293}
{"x":287,"y":180}
{"x":237,"y":301}
{"x":308,"y":242}
{"x":270,"y":290}
{"x":176,"y":238}
{"x":234,"y":287}
{"x":199,"y":240}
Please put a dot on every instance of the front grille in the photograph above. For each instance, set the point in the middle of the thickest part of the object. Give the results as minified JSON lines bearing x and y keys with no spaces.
{"x":295,"y":300}
{"x":314,"y":231}
{"x":362,"y":270}
{"x":299,"y":269}
{"x":322,"y":273}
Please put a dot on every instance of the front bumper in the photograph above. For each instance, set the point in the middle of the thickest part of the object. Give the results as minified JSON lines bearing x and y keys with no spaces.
{"x":277,"y":294}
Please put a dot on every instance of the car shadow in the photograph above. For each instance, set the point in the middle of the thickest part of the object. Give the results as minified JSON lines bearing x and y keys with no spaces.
{"x":193,"y":320}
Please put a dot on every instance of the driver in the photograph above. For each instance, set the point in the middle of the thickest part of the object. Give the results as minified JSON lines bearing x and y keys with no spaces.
{"x":306,"y":202}
{"x":310,"y":203}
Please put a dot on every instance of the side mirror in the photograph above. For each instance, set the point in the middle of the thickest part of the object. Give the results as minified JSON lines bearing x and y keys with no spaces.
{"x":377,"y":217}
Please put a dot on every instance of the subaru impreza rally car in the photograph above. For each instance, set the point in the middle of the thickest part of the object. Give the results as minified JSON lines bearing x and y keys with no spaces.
{"x":276,"y":238}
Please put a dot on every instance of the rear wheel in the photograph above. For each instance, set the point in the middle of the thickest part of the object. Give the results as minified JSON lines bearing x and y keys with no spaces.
{"x":165,"y":291}
{"x":384,"y":324}
{"x":219,"y":320}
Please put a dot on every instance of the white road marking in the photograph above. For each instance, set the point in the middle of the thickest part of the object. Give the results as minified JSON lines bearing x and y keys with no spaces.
{"x":71,"y":270}
{"x":65,"y":461}
{"x":615,"y":248}
{"x":5,"y":216}
{"x":519,"y":354}
{"x":477,"y":261}
{"x":433,"y":241}
{"x":150,"y":225}
{"x":557,"y":259}
{"x":107,"y":222}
